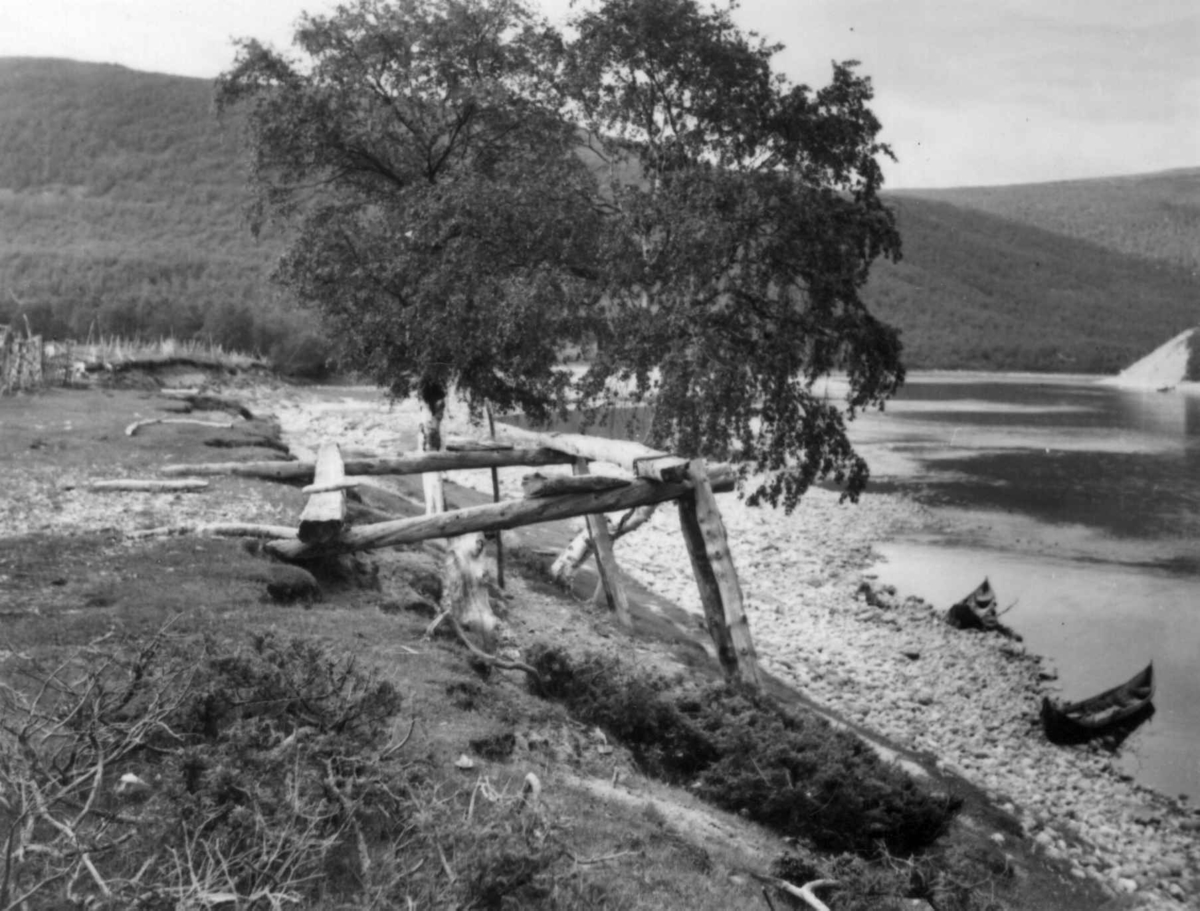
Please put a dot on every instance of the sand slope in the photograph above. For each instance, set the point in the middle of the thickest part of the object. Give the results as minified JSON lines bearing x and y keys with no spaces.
{"x":1164,"y":367}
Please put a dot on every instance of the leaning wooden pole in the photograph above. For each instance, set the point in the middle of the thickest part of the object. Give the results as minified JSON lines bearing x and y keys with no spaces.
{"x":606,"y":561}
{"x":720,"y":591}
{"x":488,"y":517}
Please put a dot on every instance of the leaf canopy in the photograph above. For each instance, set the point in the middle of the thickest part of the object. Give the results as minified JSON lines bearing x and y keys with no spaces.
{"x":471,"y":190}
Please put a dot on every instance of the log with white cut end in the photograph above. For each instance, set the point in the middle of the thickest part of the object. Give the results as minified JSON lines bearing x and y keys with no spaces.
{"x":154,"y":485}
{"x":324,"y":516}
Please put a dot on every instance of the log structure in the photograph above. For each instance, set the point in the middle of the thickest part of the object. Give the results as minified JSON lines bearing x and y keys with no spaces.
{"x":488,"y":517}
{"x":324,"y":515}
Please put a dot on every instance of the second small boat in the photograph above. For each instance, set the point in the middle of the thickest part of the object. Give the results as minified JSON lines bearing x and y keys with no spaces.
{"x":1114,"y":712}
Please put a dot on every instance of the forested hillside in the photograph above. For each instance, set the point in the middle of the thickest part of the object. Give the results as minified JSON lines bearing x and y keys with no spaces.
{"x":121,"y":212}
{"x":974,"y":291}
{"x":1152,"y":215}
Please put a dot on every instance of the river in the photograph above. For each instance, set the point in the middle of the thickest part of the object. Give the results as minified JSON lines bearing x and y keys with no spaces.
{"x":1081,"y":503}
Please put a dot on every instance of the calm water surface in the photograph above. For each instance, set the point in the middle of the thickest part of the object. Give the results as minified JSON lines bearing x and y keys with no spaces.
{"x":1081,"y":502}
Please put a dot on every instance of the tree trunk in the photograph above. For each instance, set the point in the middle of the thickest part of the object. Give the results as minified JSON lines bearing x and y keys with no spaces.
{"x":433,"y":409}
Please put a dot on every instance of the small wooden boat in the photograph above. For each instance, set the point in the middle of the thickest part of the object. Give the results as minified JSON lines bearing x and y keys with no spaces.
{"x":1124,"y":706}
{"x":976,"y":611}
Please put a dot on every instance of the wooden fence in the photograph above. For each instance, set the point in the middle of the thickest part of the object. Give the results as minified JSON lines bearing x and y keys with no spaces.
{"x":656,"y":477}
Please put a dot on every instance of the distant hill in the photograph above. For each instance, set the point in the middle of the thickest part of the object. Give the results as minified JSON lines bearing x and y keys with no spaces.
{"x":1156,"y":216}
{"x":975,"y":291}
{"x":121,"y":199}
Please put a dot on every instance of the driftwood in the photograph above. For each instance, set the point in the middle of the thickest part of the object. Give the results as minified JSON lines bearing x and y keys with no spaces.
{"x":418,"y":463}
{"x":152,"y":486}
{"x":137,"y":425}
{"x":324,"y":514}
{"x":805,"y":893}
{"x":464,"y":589}
{"x":219,"y":530}
{"x":488,"y":517}
{"x":606,"y":561}
{"x":720,"y":591}
{"x":535,"y":486}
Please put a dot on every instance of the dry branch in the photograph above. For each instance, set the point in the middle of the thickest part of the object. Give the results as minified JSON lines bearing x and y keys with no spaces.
{"x":153,"y":485}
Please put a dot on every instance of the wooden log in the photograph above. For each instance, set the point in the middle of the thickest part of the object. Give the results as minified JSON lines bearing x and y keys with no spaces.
{"x":488,"y":517}
{"x":720,"y":591}
{"x":218,"y":529}
{"x":148,"y":486}
{"x":606,"y":561}
{"x":271,"y":471}
{"x":563,"y":569}
{"x":536,"y":485}
{"x":324,"y":515}
{"x":137,"y":425}
{"x":460,"y":445}
{"x":416,"y":463}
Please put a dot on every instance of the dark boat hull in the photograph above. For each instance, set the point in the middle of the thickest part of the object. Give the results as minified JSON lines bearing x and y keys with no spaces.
{"x":1114,"y":712}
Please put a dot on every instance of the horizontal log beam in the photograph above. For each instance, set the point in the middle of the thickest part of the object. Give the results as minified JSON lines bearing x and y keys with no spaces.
{"x":489,"y":517}
{"x":403,"y":465}
{"x":624,"y":453}
{"x":535,"y":486}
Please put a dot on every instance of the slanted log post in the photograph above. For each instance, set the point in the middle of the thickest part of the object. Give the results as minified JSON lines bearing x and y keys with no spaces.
{"x":720,"y":591}
{"x":324,"y":516}
{"x":606,"y":561}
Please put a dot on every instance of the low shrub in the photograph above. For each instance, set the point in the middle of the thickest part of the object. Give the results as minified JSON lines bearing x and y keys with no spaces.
{"x":793,"y":772}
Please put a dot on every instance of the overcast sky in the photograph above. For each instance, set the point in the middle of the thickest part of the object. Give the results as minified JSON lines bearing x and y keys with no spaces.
{"x":970,"y":92}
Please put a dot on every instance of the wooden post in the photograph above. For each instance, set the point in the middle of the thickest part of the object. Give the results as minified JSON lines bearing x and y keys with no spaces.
{"x":720,"y":592}
{"x":606,"y":561}
{"x":496,"y":499}
{"x":324,"y":515}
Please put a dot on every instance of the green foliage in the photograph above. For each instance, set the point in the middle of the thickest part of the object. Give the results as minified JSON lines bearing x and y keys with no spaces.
{"x":741,"y":218}
{"x":795,"y":773}
{"x":440,"y":213}
{"x":472,"y":191}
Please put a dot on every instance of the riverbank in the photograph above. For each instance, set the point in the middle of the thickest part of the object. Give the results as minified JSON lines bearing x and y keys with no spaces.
{"x":969,"y":699}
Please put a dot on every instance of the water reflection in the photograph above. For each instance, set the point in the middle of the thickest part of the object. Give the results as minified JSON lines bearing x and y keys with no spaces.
{"x":1082,"y":504}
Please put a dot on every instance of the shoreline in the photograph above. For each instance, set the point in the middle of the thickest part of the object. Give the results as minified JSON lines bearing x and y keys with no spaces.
{"x":969,"y":699}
